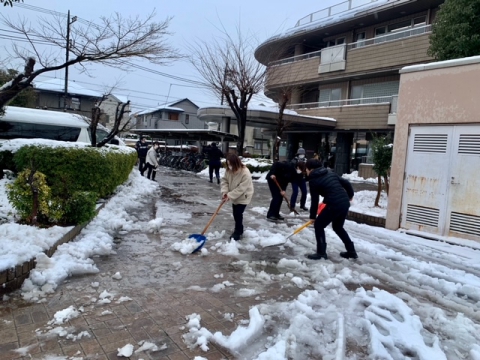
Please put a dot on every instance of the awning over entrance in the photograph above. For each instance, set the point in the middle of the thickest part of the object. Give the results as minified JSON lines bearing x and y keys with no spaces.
{"x":263,"y":117}
{"x":187,"y":134}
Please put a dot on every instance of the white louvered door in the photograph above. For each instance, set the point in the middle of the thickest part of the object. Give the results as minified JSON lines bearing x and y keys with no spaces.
{"x":441,"y":192}
{"x":463,"y":219}
{"x":425,"y":181}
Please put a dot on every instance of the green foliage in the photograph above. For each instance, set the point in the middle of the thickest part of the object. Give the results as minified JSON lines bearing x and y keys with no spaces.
{"x":20,"y":194}
{"x":80,"y":207}
{"x":68,"y":170}
{"x":259,"y":168}
{"x":74,"y":178}
{"x":456,"y":30}
{"x":26,"y":98}
{"x":382,"y":151}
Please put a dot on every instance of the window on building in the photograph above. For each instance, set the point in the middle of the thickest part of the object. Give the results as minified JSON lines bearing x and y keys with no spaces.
{"x":187,"y":118}
{"x":172,"y":116}
{"x":75,"y":103}
{"x":330,"y":97}
{"x":338,"y":41}
{"x":360,"y":39}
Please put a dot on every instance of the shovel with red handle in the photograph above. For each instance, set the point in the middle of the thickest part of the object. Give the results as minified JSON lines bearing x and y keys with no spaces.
{"x":321,"y":206}
{"x":201,"y":238}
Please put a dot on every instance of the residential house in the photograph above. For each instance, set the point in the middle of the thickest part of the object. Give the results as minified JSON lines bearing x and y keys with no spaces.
{"x":343,"y":62}
{"x":181,"y":114}
{"x":112,"y":104}
{"x":51,"y":96}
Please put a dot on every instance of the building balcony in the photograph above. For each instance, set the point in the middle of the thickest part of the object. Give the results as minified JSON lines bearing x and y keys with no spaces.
{"x":354,"y":114}
{"x":384,"y":53}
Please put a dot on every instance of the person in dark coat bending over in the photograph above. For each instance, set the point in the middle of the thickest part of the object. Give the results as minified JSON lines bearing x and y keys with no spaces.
{"x":284,"y":172}
{"x":337,"y":193}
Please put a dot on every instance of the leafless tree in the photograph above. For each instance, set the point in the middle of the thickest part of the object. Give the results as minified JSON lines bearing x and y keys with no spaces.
{"x":118,"y":126}
{"x":284,"y":80}
{"x":230,"y":71}
{"x":113,"y":42}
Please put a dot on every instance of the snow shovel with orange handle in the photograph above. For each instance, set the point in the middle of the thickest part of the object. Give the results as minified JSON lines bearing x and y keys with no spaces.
{"x":321,"y":206}
{"x":201,"y":238}
{"x":286,"y":199}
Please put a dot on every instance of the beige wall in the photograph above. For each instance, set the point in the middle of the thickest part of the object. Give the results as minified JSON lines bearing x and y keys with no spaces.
{"x":367,"y":117}
{"x":445,"y":95}
{"x":297,"y":72}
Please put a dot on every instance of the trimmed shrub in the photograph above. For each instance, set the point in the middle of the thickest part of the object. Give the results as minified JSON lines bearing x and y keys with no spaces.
{"x":80,"y":207}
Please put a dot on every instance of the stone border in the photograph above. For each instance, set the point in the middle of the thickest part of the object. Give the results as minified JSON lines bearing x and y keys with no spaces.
{"x":13,"y":278}
{"x":366,"y":219}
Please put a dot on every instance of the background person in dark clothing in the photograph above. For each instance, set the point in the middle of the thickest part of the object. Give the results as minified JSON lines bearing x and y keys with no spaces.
{"x":337,"y":193}
{"x":299,"y":183}
{"x":142,"y":148}
{"x":214,"y":163}
{"x":284,"y":172}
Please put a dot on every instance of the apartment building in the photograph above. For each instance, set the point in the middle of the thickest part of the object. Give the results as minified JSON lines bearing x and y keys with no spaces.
{"x":343,"y":62}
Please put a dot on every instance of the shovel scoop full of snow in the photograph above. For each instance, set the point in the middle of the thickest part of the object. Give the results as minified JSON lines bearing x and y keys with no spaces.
{"x":189,"y":245}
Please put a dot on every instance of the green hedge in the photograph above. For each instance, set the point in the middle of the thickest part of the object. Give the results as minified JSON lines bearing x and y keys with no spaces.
{"x":69,"y":170}
{"x":76,"y":177}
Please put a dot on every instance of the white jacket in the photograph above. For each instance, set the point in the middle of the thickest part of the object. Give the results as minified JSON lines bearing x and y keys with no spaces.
{"x":152,"y":157}
{"x":238,"y":186}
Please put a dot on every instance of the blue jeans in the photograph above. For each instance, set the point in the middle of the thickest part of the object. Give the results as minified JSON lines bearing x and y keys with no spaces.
{"x":302,"y":184}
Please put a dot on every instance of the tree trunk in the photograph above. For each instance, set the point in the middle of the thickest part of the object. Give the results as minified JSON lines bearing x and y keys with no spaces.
{"x":379,"y":191}
{"x":387,"y":185}
{"x":34,"y":214}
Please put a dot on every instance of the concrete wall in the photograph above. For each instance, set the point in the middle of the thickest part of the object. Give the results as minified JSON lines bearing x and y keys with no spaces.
{"x":438,"y":93}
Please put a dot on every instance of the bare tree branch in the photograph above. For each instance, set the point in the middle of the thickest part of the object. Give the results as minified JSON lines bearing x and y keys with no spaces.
{"x":229,"y":69}
{"x":113,"y":42}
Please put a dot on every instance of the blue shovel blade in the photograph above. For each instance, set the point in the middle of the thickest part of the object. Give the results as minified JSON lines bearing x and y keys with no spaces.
{"x":201,"y":239}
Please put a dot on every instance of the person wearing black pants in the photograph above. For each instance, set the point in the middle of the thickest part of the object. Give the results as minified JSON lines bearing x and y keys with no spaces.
{"x":142,"y":148}
{"x":214,"y":155}
{"x":283,"y":172}
{"x":337,"y":193}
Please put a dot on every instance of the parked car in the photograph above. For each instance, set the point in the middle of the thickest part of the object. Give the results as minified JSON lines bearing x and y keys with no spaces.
{"x":28,"y":123}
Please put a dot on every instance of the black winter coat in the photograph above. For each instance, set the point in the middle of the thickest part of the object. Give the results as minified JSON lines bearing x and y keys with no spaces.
{"x":214,"y":154}
{"x":336,"y":191}
{"x":142,"y":148}
{"x":284,"y":171}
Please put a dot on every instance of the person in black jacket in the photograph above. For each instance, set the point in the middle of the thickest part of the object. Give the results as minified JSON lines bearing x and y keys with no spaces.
{"x":337,"y":193}
{"x":284,"y":172}
{"x":142,"y":148}
{"x":214,"y":155}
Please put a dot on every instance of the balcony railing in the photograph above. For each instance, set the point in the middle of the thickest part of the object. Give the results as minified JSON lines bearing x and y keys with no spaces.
{"x":345,"y":102}
{"x":296,"y":58}
{"x":332,"y":10}
{"x":361,"y":43}
{"x":391,"y":36}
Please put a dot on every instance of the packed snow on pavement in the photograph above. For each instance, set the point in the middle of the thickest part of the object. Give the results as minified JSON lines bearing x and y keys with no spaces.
{"x":412,"y":297}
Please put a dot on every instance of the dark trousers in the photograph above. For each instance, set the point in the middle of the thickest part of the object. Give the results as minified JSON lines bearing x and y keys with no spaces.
{"x":151,"y":172}
{"x":337,"y":217}
{"x":141,"y":164}
{"x":238,"y":210}
{"x":214,"y":167}
{"x":302,"y":184}
{"x":276,"y":202}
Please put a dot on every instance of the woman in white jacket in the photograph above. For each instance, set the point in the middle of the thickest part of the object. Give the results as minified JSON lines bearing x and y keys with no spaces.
{"x":151,"y":161}
{"x":237,"y":186}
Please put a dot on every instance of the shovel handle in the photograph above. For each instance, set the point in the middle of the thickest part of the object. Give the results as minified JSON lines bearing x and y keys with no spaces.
{"x":213,"y":216}
{"x":286,"y":200}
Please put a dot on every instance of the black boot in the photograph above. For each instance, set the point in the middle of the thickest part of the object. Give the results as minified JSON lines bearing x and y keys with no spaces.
{"x":350,"y":253}
{"x":218,"y":181}
{"x":321,"y":252}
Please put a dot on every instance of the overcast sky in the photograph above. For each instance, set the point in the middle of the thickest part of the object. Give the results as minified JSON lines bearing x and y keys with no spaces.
{"x":192,"y":19}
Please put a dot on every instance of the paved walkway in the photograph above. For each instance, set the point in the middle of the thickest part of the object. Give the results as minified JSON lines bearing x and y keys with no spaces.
{"x":157,"y":280}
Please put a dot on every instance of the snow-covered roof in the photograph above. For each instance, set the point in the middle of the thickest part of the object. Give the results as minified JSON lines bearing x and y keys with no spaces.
{"x":441,"y":64}
{"x":123,"y":99}
{"x":58,"y":85}
{"x":160,"y":108}
{"x":361,"y":10}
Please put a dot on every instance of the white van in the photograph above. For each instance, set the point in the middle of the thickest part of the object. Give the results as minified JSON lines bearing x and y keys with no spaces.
{"x":27,"y":123}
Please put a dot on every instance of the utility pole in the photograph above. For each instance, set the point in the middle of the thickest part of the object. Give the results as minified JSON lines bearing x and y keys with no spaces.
{"x":67,"y":50}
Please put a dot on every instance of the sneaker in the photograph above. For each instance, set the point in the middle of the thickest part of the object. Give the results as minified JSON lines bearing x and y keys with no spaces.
{"x":304,"y":208}
{"x":272,"y":219}
{"x":280,"y":217}
{"x":218,"y":181}
{"x":210,"y":181}
{"x":317,"y":256}
{"x":349,"y":255}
